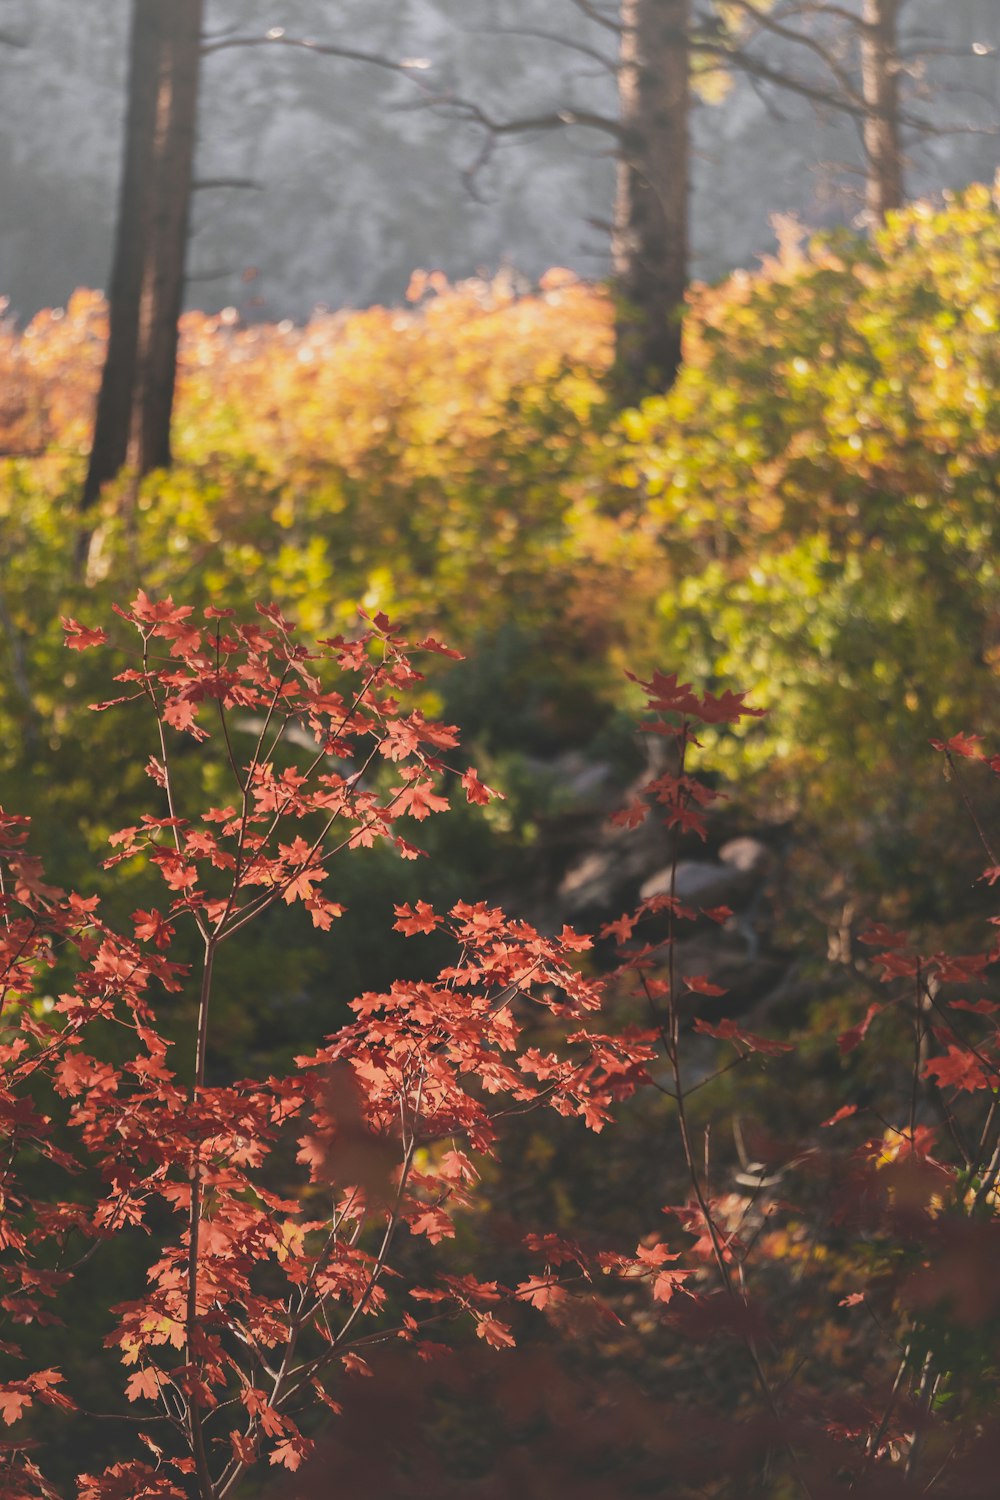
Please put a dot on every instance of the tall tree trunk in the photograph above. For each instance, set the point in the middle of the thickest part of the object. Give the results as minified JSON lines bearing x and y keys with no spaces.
{"x":649,"y":246}
{"x":146,"y":293}
{"x":884,"y":189}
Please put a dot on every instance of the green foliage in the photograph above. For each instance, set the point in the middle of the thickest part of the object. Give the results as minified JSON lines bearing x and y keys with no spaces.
{"x":824,"y":475}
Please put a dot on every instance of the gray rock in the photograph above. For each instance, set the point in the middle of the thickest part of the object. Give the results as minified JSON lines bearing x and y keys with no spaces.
{"x":746,"y":854}
{"x":701,"y":882}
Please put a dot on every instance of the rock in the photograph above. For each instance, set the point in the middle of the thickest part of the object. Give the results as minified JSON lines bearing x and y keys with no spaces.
{"x":701,"y":882}
{"x":747,"y":854}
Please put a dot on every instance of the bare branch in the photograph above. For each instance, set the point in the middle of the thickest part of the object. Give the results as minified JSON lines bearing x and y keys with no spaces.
{"x":551,"y":120}
{"x":209,"y":184}
{"x":812,"y":43}
{"x":594,"y":13}
{"x":609,"y":63}
{"x":410,"y":68}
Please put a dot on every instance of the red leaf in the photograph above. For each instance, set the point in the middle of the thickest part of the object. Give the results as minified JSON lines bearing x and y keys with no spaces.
{"x":702,"y":985}
{"x":430,"y":644}
{"x":476,"y":790}
{"x":495,"y":1333}
{"x":631,"y":816}
{"x":879,"y":936}
{"x":667,"y":1283}
{"x":843,"y":1113}
{"x":13,"y":1402}
{"x":421,"y":800}
{"x":411,"y":921}
{"x":291,"y":1452}
{"x":79,"y":637}
{"x":960,"y":1069}
{"x":728,"y":1031}
{"x":848,"y":1040}
{"x":621,"y":929}
{"x":143,"y":1383}
{"x":961,"y":744}
{"x":541,"y":1293}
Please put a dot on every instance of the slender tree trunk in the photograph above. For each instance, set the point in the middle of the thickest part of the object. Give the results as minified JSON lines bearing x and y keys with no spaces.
{"x":884,"y":188}
{"x":649,"y":245}
{"x":135,"y":403}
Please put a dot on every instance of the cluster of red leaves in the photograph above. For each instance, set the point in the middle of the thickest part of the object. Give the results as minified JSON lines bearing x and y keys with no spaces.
{"x":922,"y":1197}
{"x":279,"y":1278}
{"x":270,"y":1289}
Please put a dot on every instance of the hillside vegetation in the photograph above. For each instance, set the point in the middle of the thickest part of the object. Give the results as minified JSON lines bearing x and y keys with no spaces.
{"x":812,"y":511}
{"x":809,"y":518}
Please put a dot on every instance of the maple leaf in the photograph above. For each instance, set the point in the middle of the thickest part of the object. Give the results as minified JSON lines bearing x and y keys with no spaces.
{"x":541,"y":1293}
{"x":270,"y":1421}
{"x":960,"y":1069}
{"x":702,"y":985}
{"x":576,"y":942}
{"x":159,"y":611}
{"x":495,"y":1333}
{"x":897,"y":965}
{"x":727,"y":708}
{"x":476,"y":790}
{"x":843,"y":1113}
{"x":621,"y":929}
{"x":877,"y":935}
{"x":290,"y":1453}
{"x":179,"y":713}
{"x":150,"y":926}
{"x":631,"y":816}
{"x":961,"y":744}
{"x":666,"y":1283}
{"x":411,"y":921}
{"x":79,"y":637}
{"x":421,"y":800}
{"x":14,"y":1399}
{"x":848,"y":1040}
{"x":667,"y":694}
{"x":728,"y":1031}
{"x":244,"y":1448}
{"x":145,"y":1383}
{"x":300,"y":887}
{"x":433,"y":1223}
{"x":430,"y":644}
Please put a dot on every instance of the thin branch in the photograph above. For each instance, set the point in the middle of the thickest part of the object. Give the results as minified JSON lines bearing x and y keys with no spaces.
{"x":209,"y":184}
{"x":536,"y":33}
{"x":600,"y":17}
{"x":410,"y":68}
{"x":550,"y":120}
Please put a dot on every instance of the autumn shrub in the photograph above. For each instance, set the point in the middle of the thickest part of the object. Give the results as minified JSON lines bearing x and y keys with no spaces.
{"x":827,"y":1304}
{"x":281,"y":1266}
{"x":825,"y":471}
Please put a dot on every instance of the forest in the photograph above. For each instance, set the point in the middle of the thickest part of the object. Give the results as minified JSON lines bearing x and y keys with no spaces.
{"x":499,"y":836}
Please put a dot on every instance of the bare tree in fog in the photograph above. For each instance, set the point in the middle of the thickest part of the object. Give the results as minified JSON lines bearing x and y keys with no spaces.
{"x":146,"y":292}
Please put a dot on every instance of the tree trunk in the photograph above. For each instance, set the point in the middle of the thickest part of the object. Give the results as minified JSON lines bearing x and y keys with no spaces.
{"x":649,"y":246}
{"x":884,"y":188}
{"x":135,"y":403}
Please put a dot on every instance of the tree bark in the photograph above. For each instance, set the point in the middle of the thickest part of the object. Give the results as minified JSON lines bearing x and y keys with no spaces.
{"x":650,"y":239}
{"x":135,"y":402}
{"x":884,"y":186}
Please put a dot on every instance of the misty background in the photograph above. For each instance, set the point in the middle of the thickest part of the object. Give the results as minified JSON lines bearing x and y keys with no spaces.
{"x":358,"y":179}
